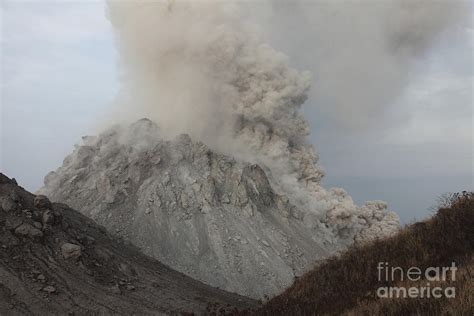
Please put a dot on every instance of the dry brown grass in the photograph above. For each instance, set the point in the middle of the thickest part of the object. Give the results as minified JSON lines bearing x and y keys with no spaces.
{"x":347,"y":284}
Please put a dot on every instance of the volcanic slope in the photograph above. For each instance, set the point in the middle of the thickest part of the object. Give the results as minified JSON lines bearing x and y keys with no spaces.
{"x":224,"y":221}
{"x":56,"y":261}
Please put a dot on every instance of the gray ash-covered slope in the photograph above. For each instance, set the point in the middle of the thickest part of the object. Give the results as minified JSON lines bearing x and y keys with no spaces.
{"x":56,"y":261}
{"x":221,"y":220}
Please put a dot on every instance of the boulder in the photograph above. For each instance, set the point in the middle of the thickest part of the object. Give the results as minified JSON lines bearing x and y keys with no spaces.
{"x":42,"y":202}
{"x":8,"y":205}
{"x":69,"y":250}
{"x":26,"y":229}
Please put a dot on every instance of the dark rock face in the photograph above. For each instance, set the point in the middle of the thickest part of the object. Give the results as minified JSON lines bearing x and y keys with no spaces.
{"x":70,"y":265}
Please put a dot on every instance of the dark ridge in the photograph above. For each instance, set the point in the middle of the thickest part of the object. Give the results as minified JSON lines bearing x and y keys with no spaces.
{"x":347,"y":285}
{"x":55,"y":261}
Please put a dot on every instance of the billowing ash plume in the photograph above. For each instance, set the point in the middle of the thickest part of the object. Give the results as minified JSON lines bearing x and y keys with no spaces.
{"x":199,"y":67}
{"x":237,"y":203}
{"x":195,"y":67}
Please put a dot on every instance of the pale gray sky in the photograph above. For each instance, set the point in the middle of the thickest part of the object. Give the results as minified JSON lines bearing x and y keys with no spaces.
{"x":58,"y":76}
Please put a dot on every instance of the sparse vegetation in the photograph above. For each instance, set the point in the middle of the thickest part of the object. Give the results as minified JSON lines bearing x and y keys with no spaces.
{"x":347,"y":284}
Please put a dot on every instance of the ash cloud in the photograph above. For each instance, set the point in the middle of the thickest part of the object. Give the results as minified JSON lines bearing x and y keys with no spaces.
{"x":200,"y":68}
{"x":205,"y":68}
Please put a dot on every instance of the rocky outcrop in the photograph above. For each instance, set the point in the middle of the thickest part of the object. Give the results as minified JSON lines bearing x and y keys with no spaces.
{"x":69,"y":250}
{"x":72,"y":266}
{"x":240,"y":226}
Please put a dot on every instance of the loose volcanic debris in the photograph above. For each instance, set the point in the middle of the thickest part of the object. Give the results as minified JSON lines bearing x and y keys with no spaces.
{"x":53,"y":260}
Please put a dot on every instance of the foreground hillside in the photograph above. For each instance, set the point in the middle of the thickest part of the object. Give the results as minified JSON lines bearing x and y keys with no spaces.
{"x":53,"y":260}
{"x":347,"y":285}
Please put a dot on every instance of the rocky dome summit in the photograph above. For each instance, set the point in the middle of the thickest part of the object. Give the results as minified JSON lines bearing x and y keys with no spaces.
{"x":222,"y":220}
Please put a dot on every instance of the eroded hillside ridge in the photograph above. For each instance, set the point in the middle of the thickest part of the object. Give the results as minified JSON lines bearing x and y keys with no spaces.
{"x":56,"y":261}
{"x":222,"y":220}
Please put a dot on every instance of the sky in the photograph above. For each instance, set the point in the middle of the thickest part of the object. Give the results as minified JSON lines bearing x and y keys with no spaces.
{"x":59,"y":77}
